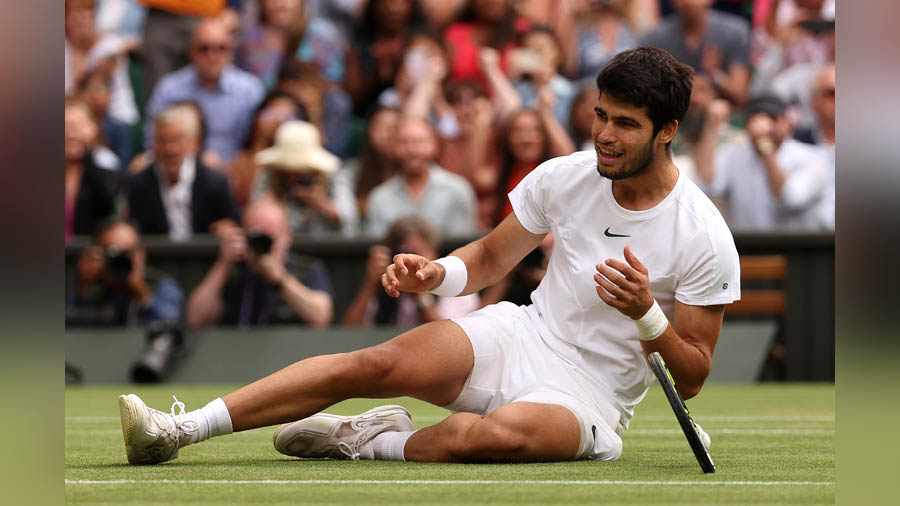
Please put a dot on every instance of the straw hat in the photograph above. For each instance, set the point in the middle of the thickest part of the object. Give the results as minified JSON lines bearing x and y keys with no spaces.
{"x":298,"y":148}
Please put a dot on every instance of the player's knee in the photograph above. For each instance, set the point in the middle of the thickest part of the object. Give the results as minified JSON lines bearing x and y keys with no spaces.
{"x":486,"y":439}
{"x":373,"y":364}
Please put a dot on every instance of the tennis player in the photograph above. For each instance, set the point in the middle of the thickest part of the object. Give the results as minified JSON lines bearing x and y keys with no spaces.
{"x":642,"y":262}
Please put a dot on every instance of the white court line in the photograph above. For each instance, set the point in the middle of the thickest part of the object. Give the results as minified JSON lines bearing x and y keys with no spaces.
{"x":453,"y":482}
{"x":639,"y":418}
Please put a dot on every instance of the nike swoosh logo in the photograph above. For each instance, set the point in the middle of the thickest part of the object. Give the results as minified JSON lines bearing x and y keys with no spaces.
{"x":607,"y":233}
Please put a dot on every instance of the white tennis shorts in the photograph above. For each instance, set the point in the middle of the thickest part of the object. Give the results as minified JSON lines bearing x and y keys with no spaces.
{"x":513,"y":364}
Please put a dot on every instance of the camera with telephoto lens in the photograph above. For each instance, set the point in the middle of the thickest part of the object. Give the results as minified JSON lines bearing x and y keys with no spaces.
{"x":117,"y":263}
{"x":165,"y":347}
{"x":259,"y":242}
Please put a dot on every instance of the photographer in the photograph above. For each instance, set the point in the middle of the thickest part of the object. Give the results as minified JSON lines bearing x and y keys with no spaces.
{"x":114,"y":287}
{"x":257,"y":281}
{"x":372,"y":306}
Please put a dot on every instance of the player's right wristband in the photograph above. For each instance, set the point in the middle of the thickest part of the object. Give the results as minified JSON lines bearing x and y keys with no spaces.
{"x":652,"y":324}
{"x":455,"y":277}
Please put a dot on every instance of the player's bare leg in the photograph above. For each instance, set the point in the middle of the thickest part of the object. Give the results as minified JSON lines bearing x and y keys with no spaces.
{"x":517,"y":432}
{"x":430,"y":362}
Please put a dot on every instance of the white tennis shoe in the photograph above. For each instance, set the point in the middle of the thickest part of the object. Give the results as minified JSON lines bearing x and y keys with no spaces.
{"x":704,"y":437}
{"x":152,"y":436}
{"x":340,"y":437}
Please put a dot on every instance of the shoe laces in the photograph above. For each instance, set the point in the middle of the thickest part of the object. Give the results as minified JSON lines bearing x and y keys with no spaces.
{"x":180,"y":406}
{"x":351,"y":450}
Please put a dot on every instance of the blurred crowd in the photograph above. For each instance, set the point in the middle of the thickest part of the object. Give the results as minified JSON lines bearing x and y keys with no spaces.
{"x":261,"y":121}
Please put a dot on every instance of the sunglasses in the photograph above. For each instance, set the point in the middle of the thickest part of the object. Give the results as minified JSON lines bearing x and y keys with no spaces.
{"x":213,"y":48}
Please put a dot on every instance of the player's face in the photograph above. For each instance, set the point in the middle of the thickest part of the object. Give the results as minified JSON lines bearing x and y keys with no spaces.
{"x":623,"y":138}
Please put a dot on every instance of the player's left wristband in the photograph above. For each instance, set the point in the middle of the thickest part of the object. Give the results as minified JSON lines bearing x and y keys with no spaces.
{"x":652,"y":324}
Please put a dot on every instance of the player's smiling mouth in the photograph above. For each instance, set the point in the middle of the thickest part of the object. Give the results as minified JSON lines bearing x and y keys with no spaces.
{"x":608,"y":154}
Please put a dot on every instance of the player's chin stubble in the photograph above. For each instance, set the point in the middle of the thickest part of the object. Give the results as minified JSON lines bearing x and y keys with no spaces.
{"x":643,"y":160}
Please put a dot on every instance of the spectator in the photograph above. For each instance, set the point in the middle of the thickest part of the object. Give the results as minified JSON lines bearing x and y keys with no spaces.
{"x":704,"y":128}
{"x":714,"y":43}
{"x":372,"y":306}
{"x":257,"y":281}
{"x":327,"y":106}
{"x":380,"y":36}
{"x":418,"y":90}
{"x":484,"y":23}
{"x":378,"y":160}
{"x":536,"y":65}
{"x":178,"y":194}
{"x":581,"y":118}
{"x":298,"y":176}
{"x":603,"y":31}
{"x":113,"y":285}
{"x":528,"y":140}
{"x":92,"y":178}
{"x":87,"y":50}
{"x":95,"y":89}
{"x":263,"y":44}
{"x":516,"y":287}
{"x":770,"y":181}
{"x":822,"y":102}
{"x":227,"y":95}
{"x":471,"y":153}
{"x":421,"y":188}
{"x":277,"y":108}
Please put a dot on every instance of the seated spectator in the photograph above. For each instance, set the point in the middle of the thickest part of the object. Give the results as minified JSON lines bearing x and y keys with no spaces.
{"x":88,"y":50}
{"x":377,"y":162}
{"x":714,"y":43}
{"x":421,"y":187}
{"x":706,"y":123}
{"x":178,"y":194}
{"x":262,"y":45}
{"x":113,"y":285}
{"x":418,"y":90}
{"x":471,"y":154}
{"x":822,"y":103}
{"x":95,"y":88}
{"x":770,"y":181}
{"x":327,"y":106}
{"x":603,"y":31}
{"x":277,"y":108}
{"x":298,"y":175}
{"x":517,"y":285}
{"x":227,"y":95}
{"x":581,"y":119}
{"x":372,"y":306}
{"x":92,"y":177}
{"x":536,"y":65}
{"x":257,"y":281}
{"x":528,"y":138}
{"x":376,"y":54}
{"x":482,"y":24}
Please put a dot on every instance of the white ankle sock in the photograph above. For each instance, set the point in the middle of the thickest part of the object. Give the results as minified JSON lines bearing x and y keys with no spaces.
{"x":210,"y":421}
{"x":389,"y":445}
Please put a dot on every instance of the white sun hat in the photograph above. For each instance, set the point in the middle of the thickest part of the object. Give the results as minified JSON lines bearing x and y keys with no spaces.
{"x":298,"y":147}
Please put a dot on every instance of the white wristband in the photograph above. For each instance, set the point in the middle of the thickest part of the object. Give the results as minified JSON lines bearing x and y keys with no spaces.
{"x":455,"y":277}
{"x":652,"y":324}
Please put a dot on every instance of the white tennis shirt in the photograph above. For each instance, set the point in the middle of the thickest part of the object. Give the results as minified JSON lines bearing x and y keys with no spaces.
{"x":683,"y":241}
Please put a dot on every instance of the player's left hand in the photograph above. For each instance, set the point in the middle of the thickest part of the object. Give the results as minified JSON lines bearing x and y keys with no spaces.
{"x":625,"y":286}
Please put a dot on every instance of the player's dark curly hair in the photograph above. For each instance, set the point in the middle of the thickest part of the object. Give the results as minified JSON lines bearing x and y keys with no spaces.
{"x":652,"y":78}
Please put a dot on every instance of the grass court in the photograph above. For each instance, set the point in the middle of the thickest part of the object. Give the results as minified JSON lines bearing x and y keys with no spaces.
{"x":772,"y":444}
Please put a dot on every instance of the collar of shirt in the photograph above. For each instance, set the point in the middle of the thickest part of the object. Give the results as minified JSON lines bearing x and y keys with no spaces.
{"x":225,"y":79}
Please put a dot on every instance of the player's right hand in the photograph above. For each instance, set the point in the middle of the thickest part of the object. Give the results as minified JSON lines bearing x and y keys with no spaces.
{"x":411,"y":273}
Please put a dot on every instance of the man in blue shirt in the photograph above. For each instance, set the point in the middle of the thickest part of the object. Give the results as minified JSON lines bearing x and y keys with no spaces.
{"x":227,"y":95}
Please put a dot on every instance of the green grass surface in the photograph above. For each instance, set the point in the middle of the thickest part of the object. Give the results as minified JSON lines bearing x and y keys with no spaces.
{"x":772,"y":444}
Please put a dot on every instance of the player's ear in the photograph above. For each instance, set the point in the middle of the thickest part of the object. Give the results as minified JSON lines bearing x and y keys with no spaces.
{"x":667,"y":132}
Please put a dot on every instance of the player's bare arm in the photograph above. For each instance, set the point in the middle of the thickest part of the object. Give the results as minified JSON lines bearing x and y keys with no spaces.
{"x":487,"y":261}
{"x":686,"y":344}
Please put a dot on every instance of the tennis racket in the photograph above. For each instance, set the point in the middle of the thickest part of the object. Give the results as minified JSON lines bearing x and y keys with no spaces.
{"x":681,"y":412}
